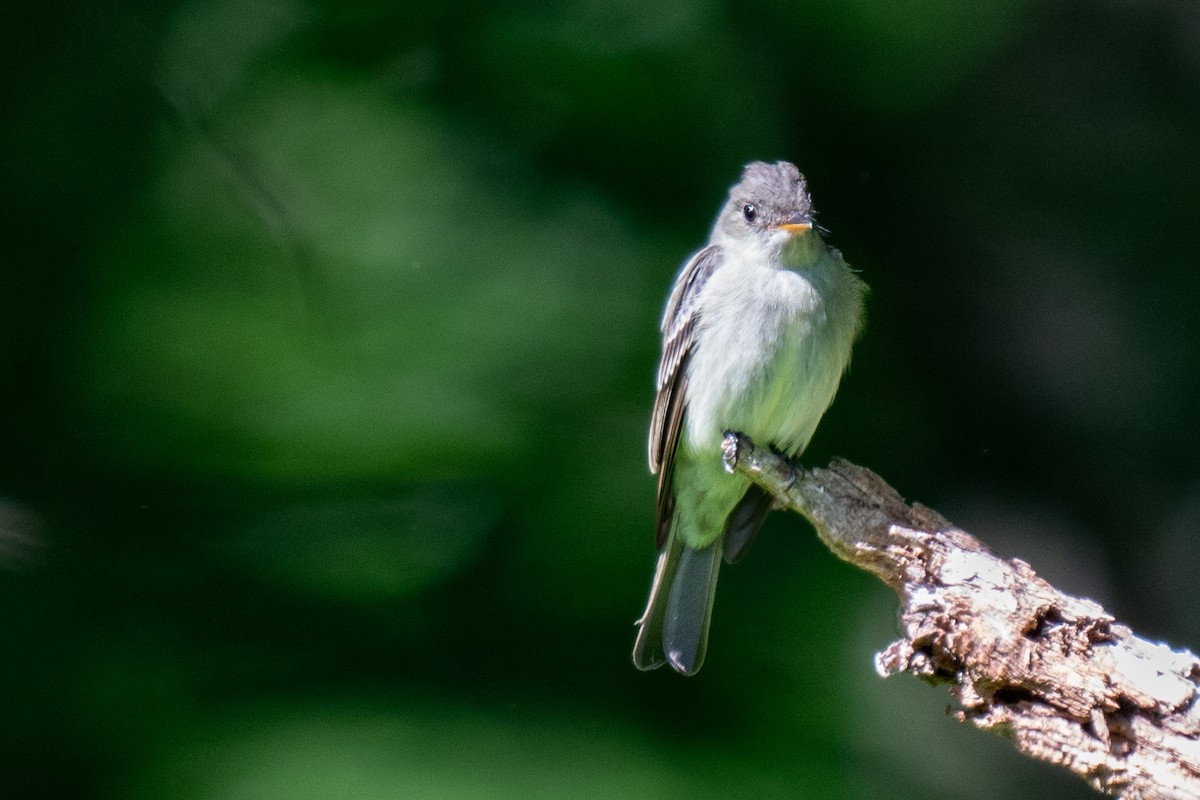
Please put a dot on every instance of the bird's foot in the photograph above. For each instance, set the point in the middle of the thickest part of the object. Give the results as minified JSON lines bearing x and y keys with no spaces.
{"x":731,"y":449}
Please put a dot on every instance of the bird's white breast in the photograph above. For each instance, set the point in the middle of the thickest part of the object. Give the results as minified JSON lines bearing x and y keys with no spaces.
{"x":767,"y":360}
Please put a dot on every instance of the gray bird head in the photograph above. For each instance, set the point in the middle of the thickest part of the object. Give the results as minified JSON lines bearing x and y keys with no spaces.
{"x":769,"y":204}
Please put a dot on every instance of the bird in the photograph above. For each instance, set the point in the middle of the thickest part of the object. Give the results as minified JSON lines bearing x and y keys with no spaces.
{"x":757,"y":333}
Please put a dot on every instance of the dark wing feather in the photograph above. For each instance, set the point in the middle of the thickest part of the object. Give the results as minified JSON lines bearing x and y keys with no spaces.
{"x":672,"y":424}
{"x":679,"y":329}
{"x":744,"y":521}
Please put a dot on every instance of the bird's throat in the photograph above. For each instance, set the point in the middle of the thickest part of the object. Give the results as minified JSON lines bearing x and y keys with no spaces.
{"x":802,"y":250}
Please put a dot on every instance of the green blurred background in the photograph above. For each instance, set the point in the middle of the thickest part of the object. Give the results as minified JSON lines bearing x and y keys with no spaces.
{"x":328,"y":329}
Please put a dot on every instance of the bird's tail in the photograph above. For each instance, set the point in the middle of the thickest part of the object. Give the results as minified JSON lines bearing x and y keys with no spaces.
{"x":674,"y":627}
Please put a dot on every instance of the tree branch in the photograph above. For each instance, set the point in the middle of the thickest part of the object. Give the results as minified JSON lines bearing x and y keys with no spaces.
{"x":1055,"y":674}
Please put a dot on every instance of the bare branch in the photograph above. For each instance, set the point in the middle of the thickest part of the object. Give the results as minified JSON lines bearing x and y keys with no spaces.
{"x":1055,"y":674}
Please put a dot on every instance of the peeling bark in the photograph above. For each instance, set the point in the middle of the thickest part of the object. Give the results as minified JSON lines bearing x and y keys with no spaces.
{"x":1055,"y":674}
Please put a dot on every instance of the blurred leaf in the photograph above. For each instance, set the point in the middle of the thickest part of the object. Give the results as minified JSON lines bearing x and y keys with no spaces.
{"x":368,"y":550}
{"x":451,"y":304}
{"x":897,"y":56}
{"x":384,"y":750}
{"x":570,"y":81}
{"x":381,"y":748}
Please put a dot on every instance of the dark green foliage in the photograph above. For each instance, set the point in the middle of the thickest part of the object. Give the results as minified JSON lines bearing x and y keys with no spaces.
{"x":327,"y":335}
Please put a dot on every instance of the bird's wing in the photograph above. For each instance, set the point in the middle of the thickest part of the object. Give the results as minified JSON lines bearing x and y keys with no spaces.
{"x":679,"y":330}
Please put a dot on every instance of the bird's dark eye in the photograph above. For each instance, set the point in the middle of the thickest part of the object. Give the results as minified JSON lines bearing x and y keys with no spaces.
{"x":750,"y":212}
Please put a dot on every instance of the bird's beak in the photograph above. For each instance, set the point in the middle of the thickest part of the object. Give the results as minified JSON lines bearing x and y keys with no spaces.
{"x":796,"y":224}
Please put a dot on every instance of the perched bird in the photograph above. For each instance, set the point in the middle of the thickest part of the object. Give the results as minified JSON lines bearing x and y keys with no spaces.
{"x":757,"y":333}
